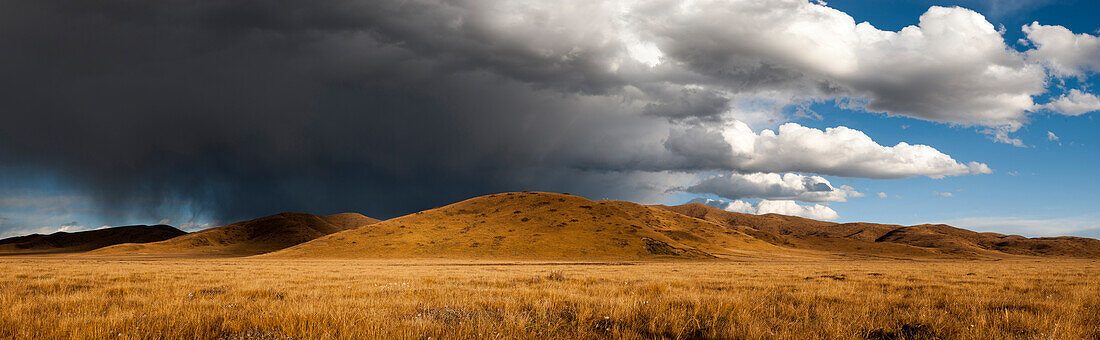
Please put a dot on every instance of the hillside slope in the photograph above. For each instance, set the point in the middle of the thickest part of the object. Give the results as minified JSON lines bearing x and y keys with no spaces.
{"x":888,"y":240}
{"x":65,"y":242}
{"x":251,"y":237}
{"x":535,"y":225}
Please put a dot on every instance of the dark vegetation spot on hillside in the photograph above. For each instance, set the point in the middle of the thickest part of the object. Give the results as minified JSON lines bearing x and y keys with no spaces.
{"x":656,"y":247}
{"x":906,"y":331}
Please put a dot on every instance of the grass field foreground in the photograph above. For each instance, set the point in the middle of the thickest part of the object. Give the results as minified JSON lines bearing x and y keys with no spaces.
{"x":80,"y":298}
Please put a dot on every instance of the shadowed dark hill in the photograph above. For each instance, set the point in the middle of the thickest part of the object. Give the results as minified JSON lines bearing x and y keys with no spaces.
{"x":536,"y":225}
{"x":65,"y":242}
{"x":251,"y":237}
{"x":888,"y":240}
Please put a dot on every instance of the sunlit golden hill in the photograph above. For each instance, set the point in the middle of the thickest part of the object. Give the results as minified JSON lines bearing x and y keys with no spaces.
{"x":252,"y":237}
{"x":66,"y":242}
{"x":536,"y":225}
{"x":888,"y":240}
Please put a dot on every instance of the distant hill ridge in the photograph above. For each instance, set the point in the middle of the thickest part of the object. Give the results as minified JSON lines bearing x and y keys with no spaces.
{"x":551,"y":226}
{"x":257,"y":236}
{"x":537,"y":225}
{"x":69,"y":242}
{"x":886,"y":239}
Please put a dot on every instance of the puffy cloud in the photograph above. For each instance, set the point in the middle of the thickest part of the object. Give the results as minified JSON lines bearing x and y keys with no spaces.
{"x":773,"y":186}
{"x":1074,"y":103}
{"x":791,"y":208}
{"x":838,"y":151}
{"x":944,"y":194}
{"x":952,"y":67}
{"x":1065,"y":53}
{"x":1002,"y":134}
{"x":882,"y":195}
{"x":1051,"y":136}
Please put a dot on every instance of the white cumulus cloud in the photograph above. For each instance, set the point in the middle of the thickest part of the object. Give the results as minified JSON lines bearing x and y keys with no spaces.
{"x":1066,"y":54}
{"x":782,"y":207}
{"x":790,"y":186}
{"x":953,"y":66}
{"x":1074,"y":103}
{"x":838,"y":151}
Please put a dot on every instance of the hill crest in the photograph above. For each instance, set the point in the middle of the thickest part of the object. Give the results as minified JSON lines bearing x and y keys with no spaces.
{"x":536,"y":225}
{"x":927,"y":240}
{"x":256,"y":236}
{"x":71,"y":242}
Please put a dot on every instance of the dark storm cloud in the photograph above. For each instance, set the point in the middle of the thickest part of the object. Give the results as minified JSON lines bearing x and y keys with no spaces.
{"x":243,"y":108}
{"x":690,"y":103}
{"x":254,"y":107}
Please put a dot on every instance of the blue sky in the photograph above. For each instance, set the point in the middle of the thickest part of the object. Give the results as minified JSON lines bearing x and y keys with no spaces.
{"x":564,"y":110}
{"x":1049,"y":180}
{"x":1045,"y":181}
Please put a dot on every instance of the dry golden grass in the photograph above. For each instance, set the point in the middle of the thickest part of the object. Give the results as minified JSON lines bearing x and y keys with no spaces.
{"x":257,"y":236}
{"x":82,"y":298}
{"x":537,"y":225}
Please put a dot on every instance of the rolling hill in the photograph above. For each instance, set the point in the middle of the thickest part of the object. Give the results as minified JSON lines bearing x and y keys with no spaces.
{"x":888,"y":240}
{"x":65,"y":242}
{"x":536,"y":225}
{"x":251,"y":237}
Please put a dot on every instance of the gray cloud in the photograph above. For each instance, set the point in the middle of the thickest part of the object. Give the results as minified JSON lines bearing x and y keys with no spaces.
{"x":690,"y":103}
{"x":386,"y":107}
{"x":773,"y":187}
{"x":782,"y":207}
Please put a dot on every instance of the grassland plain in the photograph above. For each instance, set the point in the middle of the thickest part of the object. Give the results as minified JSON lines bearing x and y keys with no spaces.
{"x":248,"y":298}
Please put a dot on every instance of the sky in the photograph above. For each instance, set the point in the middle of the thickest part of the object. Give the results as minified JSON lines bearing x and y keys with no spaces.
{"x":978,"y":114}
